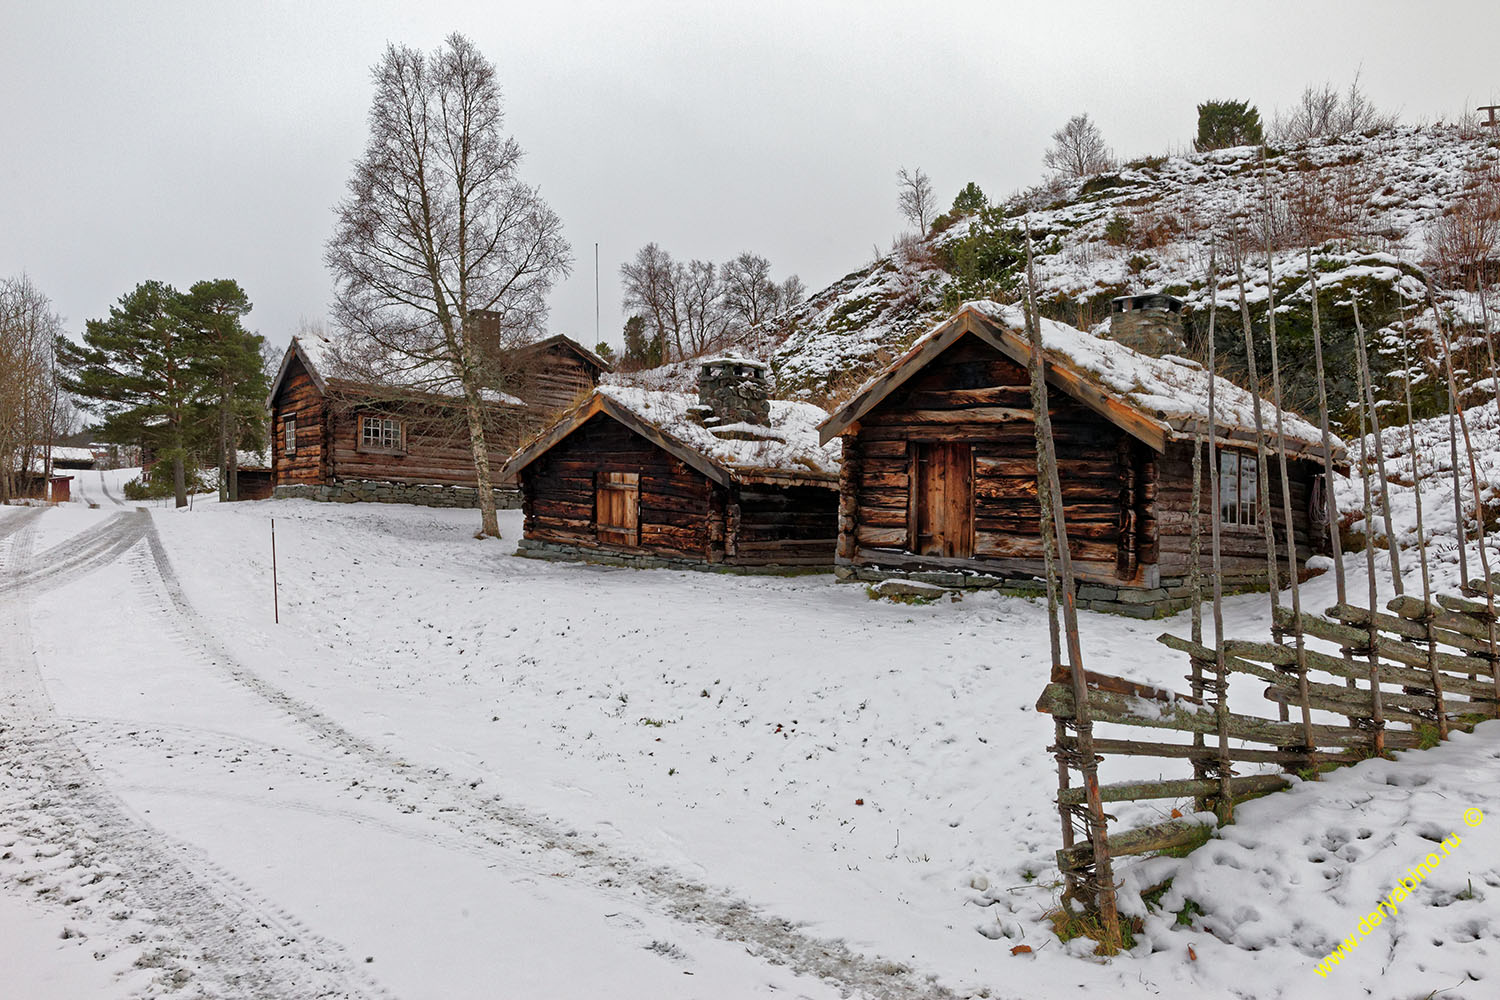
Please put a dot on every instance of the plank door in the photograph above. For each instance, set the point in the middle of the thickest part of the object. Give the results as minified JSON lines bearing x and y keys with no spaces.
{"x":942,"y":499}
{"x":617,"y":507}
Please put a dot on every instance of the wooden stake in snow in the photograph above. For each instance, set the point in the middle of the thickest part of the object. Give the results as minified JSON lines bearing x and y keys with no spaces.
{"x":1286,"y":497}
{"x":275,"y":589}
{"x":1262,"y":478}
{"x":1385,"y":483}
{"x":1225,"y":804}
{"x":1377,"y":709}
{"x":1416,"y":488}
{"x":1334,"y":542}
{"x":1088,"y":761}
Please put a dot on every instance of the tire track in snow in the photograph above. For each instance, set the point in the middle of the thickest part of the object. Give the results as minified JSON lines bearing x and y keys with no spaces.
{"x":15,"y":522}
{"x":203,"y":931}
{"x":79,"y":555}
{"x":491,"y":819}
{"x":104,"y":485}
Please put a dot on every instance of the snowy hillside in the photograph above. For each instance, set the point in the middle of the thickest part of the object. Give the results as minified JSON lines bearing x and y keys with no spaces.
{"x":1364,"y":203}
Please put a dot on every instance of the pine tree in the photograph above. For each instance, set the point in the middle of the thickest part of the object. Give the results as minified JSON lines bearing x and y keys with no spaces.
{"x":228,"y":360}
{"x":636,"y":346}
{"x":969,"y":201}
{"x":135,"y":369}
{"x":1222,"y":124}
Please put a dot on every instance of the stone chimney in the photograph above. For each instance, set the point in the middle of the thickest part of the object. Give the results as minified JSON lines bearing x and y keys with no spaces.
{"x":1151,"y":324}
{"x":734,"y":391}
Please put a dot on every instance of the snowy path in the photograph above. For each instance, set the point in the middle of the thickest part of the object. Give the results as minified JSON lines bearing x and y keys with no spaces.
{"x":452,"y":773}
{"x":193,"y":922}
{"x":205,"y":705}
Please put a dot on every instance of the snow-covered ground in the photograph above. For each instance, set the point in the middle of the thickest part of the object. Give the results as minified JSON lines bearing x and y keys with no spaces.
{"x":452,"y":772}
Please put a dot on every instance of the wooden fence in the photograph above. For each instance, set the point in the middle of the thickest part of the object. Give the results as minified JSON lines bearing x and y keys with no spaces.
{"x":1401,"y":678}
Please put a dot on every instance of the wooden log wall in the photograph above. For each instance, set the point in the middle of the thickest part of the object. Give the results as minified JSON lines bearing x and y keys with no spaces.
{"x":674,"y":505}
{"x":973,"y":394}
{"x":436,"y":451}
{"x":299,"y":398}
{"x":558,"y":380}
{"x":1243,"y":546}
{"x":785,"y":525}
{"x":682,"y":513}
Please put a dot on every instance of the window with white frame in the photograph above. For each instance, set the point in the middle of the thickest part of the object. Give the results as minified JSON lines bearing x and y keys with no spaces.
{"x":289,"y":431}
{"x":1238,"y":484}
{"x":380,"y":433}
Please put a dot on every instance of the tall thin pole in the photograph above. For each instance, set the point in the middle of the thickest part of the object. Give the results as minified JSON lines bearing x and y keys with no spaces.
{"x":1299,"y":643}
{"x":1225,"y":804}
{"x":1109,"y":917}
{"x":275,"y":588}
{"x":1335,"y":544}
{"x":1375,"y":435}
{"x":1263,"y":477}
{"x":1377,"y":708}
{"x":597,"y":338}
{"x":1416,"y":487}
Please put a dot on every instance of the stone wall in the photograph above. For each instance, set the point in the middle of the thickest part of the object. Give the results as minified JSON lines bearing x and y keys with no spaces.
{"x":533,"y":548}
{"x":375,"y":491}
{"x":1170,"y":597}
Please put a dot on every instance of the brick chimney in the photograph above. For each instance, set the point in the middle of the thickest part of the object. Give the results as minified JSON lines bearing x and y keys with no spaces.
{"x":734,"y":391}
{"x":1151,"y":324}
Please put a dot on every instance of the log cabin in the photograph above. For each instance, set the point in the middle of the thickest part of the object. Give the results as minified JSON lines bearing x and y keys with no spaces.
{"x":939,"y":462}
{"x":727,"y":479}
{"x":560,"y":373}
{"x":399,"y":438}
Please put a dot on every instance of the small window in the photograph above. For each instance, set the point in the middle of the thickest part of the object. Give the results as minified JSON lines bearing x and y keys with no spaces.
{"x":617,"y":506}
{"x":289,"y":429}
{"x":1238,"y":484}
{"x":380,"y":434}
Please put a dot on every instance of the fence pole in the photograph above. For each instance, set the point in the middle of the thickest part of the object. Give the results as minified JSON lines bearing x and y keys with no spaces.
{"x":1109,"y":917}
{"x":1286,"y":489}
{"x":1377,"y":709}
{"x":1225,"y":803}
{"x":1378,"y":438}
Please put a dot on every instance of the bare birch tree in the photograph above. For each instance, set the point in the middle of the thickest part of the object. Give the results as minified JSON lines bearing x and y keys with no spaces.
{"x":1324,"y":111}
{"x":915,"y":198}
{"x":30,"y":405}
{"x":438,"y":227}
{"x":1078,"y":149}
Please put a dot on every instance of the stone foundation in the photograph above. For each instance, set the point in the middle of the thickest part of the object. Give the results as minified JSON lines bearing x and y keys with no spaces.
{"x":532,"y":548}
{"x":1171,"y":596}
{"x":376,"y":491}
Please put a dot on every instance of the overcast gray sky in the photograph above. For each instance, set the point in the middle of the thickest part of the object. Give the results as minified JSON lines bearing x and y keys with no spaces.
{"x":181,"y":141}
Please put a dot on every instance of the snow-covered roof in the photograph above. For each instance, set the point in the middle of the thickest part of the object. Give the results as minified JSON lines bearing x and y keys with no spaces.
{"x":61,"y":453}
{"x":786,"y":449}
{"x":1169,"y":394}
{"x":326,"y":365}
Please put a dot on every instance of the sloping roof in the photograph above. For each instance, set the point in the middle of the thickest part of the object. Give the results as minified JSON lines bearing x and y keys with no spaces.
{"x":319,"y":356}
{"x":1153,"y":399}
{"x":786,"y":450}
{"x":563,"y":340}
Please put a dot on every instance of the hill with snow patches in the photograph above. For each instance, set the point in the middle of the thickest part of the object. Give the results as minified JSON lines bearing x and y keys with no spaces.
{"x":1364,"y":203}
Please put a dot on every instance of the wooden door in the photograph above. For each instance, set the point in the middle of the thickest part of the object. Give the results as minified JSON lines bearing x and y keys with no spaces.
{"x":617,"y":507}
{"x":942,"y":493}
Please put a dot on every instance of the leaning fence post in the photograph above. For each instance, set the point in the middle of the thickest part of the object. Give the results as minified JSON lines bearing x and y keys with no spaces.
{"x":1109,"y":917}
